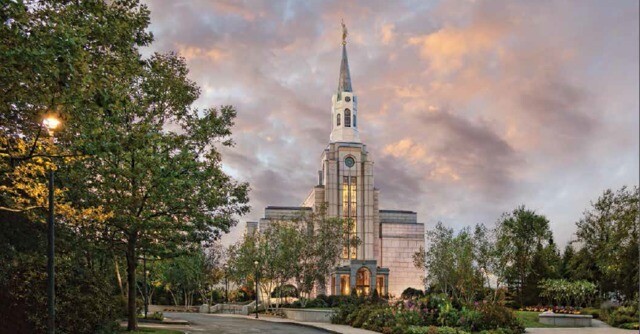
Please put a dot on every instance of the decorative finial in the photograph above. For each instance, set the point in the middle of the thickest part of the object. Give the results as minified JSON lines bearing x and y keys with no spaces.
{"x":344,"y":33}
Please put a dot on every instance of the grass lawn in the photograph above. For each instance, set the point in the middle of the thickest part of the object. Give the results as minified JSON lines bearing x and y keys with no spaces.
{"x":530,"y":319}
{"x":149,"y":330}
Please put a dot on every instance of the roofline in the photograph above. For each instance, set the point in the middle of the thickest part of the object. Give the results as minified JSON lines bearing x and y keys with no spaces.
{"x":305,"y":208}
{"x":397,"y":211}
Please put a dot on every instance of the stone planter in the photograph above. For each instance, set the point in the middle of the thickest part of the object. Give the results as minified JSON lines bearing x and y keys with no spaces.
{"x":565,"y":320}
{"x":309,"y":315}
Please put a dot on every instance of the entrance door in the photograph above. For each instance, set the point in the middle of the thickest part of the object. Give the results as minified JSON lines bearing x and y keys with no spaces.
{"x":363,"y":281}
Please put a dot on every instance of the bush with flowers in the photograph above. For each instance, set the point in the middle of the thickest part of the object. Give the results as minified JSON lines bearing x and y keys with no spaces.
{"x":429,"y":314}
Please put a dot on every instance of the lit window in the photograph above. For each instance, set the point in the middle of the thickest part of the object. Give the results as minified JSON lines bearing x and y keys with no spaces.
{"x":363,"y":281}
{"x":347,"y":118}
{"x":338,"y":119}
{"x":349,"y":214}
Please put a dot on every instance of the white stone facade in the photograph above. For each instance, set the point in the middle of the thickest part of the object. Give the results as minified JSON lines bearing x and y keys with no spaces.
{"x":388,"y":238}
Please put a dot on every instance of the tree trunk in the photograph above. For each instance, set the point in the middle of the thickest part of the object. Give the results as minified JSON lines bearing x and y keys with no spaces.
{"x":118,"y":276}
{"x":132,"y":316}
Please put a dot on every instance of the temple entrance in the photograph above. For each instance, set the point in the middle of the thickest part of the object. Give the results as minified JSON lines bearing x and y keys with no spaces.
{"x":344,"y":285}
{"x":363,"y":281}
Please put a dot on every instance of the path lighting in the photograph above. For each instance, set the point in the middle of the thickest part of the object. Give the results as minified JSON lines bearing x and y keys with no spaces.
{"x":51,"y":123}
{"x":257,"y":291}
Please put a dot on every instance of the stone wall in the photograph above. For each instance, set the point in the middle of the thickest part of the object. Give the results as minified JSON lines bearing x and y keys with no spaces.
{"x":399,"y":242}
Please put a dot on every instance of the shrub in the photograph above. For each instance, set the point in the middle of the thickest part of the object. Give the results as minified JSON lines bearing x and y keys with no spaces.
{"x":434,"y":330}
{"x":594,"y":312}
{"x":410,"y":293}
{"x":317,"y":303}
{"x":448,"y":315}
{"x":494,"y":316}
{"x":623,"y":315}
{"x":470,"y":320}
{"x":381,"y":320}
{"x":630,"y":325}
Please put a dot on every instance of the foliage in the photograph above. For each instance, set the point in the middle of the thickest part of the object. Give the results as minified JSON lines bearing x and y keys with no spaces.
{"x":594,"y":312}
{"x":315,"y":241}
{"x":137,"y":166}
{"x":434,"y":330}
{"x":523,"y":245}
{"x":186,"y":275}
{"x":286,"y":290}
{"x":452,"y":262}
{"x":85,"y":299}
{"x":563,"y":292}
{"x":608,"y":233}
{"x":420,"y":313}
{"x":623,"y":315}
{"x":410,"y":293}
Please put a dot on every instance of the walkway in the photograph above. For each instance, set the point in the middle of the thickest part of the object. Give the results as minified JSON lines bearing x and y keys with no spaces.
{"x":233,"y":324}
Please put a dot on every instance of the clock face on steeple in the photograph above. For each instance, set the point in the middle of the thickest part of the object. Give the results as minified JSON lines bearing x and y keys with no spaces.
{"x":349,"y":162}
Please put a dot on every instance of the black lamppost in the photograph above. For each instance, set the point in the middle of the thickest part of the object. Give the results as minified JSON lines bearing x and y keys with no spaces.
{"x":226,"y":283}
{"x":257,"y":291}
{"x":51,"y":122}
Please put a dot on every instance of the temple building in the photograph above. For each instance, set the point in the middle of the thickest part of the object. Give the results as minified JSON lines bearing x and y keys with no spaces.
{"x":346,"y":189}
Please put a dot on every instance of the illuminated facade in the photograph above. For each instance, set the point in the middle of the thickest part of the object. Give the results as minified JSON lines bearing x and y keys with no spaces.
{"x":387,"y":238}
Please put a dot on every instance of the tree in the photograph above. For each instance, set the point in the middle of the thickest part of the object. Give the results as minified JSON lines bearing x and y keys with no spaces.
{"x":62,"y":57}
{"x":608,"y":238}
{"x":321,"y":247}
{"x":567,"y":258}
{"x":58,"y":57}
{"x":155,"y":164}
{"x":452,"y":262}
{"x":521,"y":235}
{"x":303,"y":250}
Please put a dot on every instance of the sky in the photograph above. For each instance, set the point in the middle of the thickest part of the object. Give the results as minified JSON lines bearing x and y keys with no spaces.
{"x":469,"y":108}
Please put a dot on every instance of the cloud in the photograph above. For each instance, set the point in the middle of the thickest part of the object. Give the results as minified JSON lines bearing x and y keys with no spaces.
{"x":468,"y":108}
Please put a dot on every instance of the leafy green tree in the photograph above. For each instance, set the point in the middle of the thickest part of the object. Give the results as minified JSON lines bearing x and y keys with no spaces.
{"x":521,"y":237}
{"x":155,"y":164}
{"x":60,"y":57}
{"x":303,"y":250}
{"x":607,"y":235}
{"x":567,"y":258}
{"x":320,"y":250}
{"x":452,"y":262}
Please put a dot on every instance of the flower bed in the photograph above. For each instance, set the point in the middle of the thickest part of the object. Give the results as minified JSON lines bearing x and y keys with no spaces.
{"x":430,"y":314}
{"x":555,"y":309}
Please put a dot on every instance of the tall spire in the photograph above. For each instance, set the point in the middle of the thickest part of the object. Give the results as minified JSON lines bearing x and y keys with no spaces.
{"x":344,"y":83}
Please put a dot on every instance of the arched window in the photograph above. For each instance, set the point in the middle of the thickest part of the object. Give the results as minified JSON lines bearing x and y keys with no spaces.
{"x":347,"y":118}
{"x":338,"y":120}
{"x":355,"y":125}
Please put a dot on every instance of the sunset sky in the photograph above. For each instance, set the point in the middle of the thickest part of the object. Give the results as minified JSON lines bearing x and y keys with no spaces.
{"x":469,"y":108}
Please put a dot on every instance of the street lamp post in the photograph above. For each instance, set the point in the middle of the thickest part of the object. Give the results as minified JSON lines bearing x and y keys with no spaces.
{"x":257,"y":291}
{"x":51,"y":123}
{"x":226,"y":283}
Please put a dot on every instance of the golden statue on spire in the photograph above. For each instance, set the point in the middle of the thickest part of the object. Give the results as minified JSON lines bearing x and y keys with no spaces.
{"x":344,"y":33}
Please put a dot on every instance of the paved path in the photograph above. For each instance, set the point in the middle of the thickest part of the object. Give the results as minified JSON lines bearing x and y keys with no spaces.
{"x":223,"y":324}
{"x":599,"y":327}
{"x":235,"y":324}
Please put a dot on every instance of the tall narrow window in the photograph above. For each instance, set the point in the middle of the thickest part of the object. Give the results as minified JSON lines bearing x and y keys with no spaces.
{"x":338,"y":119}
{"x":350,"y":216}
{"x":347,"y":118}
{"x":355,"y":125}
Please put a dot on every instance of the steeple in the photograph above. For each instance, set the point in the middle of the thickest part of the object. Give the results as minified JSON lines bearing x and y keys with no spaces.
{"x":344,"y":109}
{"x":344,"y":82}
